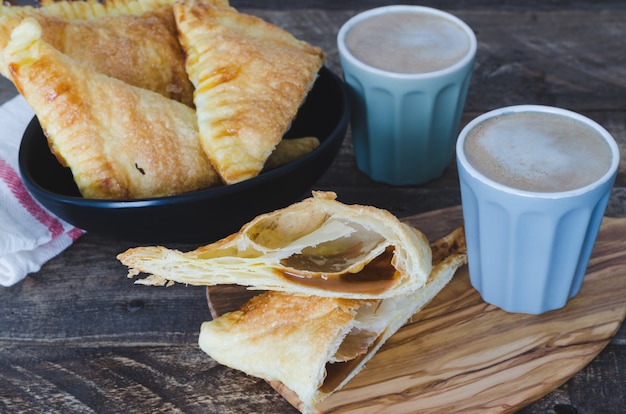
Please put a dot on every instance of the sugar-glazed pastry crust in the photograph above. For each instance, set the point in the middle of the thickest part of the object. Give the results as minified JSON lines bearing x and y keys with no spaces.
{"x":134,"y":41}
{"x":120,"y":141}
{"x":250,"y":78}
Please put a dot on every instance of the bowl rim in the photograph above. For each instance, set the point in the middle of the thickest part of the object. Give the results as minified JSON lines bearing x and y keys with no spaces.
{"x":213,"y":192}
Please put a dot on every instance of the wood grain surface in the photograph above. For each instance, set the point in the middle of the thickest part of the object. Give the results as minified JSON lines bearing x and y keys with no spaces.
{"x":79,"y":337}
{"x":461,"y":355}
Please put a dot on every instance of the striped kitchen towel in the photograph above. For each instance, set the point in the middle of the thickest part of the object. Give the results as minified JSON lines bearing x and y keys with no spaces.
{"x":29,"y":234}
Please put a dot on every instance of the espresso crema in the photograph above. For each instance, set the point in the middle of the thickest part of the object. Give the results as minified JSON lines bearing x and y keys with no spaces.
{"x":408,"y":42}
{"x":538,"y":152}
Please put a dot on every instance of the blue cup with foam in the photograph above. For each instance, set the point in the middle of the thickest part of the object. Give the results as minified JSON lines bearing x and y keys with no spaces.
{"x":408,"y":70}
{"x":535,"y":181}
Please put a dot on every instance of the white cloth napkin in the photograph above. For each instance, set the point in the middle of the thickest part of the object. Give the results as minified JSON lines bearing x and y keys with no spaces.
{"x":30,"y":235}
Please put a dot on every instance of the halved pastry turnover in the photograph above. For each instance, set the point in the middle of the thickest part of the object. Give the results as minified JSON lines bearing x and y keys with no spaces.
{"x":250,"y":78}
{"x":314,"y":345}
{"x":315,"y":247}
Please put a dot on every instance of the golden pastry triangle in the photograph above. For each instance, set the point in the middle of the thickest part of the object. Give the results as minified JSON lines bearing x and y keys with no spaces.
{"x":250,"y":78}
{"x":120,"y":141}
{"x":135,"y":41}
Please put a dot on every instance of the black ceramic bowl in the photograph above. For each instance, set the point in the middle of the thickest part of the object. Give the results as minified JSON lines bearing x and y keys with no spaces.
{"x":201,"y":216}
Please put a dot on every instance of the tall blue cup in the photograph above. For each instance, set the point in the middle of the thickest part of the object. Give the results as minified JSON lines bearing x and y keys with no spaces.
{"x":404,"y":125}
{"x":528,"y":249}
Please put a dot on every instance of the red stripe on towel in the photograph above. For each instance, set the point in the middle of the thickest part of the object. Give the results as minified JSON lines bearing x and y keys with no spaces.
{"x":19,"y":191}
{"x":75,"y":233}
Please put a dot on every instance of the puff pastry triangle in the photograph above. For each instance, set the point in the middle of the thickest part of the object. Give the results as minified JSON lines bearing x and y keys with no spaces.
{"x":313,"y":345}
{"x":120,"y":141}
{"x":95,"y":9}
{"x":290,"y":149}
{"x":250,"y":79}
{"x":315,"y":247}
{"x":134,"y":41}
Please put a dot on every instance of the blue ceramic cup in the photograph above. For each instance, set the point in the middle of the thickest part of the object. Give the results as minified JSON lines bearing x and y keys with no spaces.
{"x":407,"y":89}
{"x":535,"y":182}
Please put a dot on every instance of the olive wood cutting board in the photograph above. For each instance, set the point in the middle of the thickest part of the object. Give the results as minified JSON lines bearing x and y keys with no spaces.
{"x":461,"y":355}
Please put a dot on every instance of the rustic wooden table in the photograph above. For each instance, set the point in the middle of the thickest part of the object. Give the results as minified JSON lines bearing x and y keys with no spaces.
{"x":78,"y":336}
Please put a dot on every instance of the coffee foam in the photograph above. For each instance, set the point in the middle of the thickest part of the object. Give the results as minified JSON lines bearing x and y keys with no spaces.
{"x":408,"y":42}
{"x":538,"y":152}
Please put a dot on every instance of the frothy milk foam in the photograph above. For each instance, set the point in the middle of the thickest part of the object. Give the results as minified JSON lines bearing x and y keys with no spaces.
{"x":408,"y":42}
{"x":538,"y":152}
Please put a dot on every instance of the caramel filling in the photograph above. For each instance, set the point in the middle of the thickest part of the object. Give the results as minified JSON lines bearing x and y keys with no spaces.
{"x":375,"y":277}
{"x":338,"y":371}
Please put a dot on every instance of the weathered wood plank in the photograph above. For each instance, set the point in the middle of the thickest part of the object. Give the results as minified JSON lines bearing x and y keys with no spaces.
{"x":164,"y":379}
{"x":94,"y":304}
{"x":80,"y":337}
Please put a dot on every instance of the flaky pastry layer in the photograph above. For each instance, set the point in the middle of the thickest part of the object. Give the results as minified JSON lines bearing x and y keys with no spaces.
{"x":315,"y":247}
{"x":314,"y":345}
{"x":250,"y":78}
